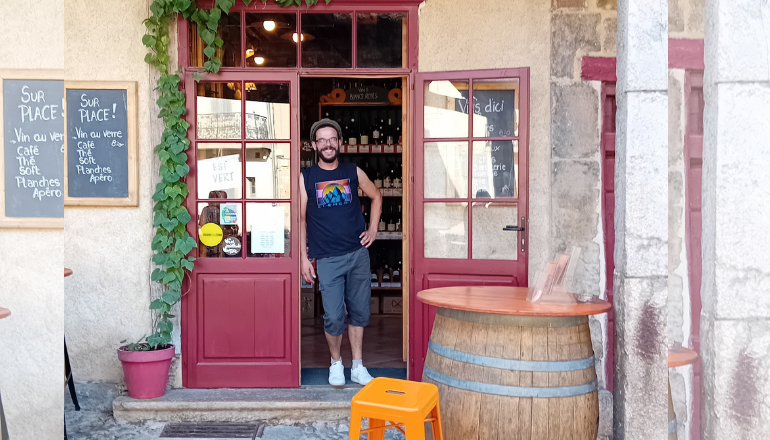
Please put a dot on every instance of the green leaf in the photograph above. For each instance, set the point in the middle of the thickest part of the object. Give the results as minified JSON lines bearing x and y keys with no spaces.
{"x":215,"y":15}
{"x":160,"y":259}
{"x":157,"y":304}
{"x":209,"y":51}
{"x":169,"y":277}
{"x":149,"y":40}
{"x":207,"y":36}
{"x":218,"y":42}
{"x":166,"y":326}
{"x":212,"y":25}
{"x":184,"y":217}
{"x":157,"y":275}
{"x":247,"y":2}
{"x":208,"y":65}
{"x":170,"y":296}
{"x":188,"y":264}
{"x":151,"y":59}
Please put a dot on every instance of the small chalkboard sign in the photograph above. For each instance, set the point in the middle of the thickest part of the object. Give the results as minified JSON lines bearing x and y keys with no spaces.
{"x":101,"y":144}
{"x":32,"y":137}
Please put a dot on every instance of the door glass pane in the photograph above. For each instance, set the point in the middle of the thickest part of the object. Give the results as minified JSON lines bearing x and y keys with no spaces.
{"x":496,"y":107}
{"x":229,"y":30}
{"x":446,"y":230}
{"x":267,"y":171}
{"x":495,"y":169}
{"x":219,"y":170}
{"x":268,"y":112}
{"x":490,"y":242}
{"x":446,"y":111}
{"x":269,"y":40}
{"x":446,"y":170}
{"x":268,"y":233}
{"x":381,"y":40}
{"x":219,"y":229}
{"x":218,"y":111}
{"x":327,"y":40}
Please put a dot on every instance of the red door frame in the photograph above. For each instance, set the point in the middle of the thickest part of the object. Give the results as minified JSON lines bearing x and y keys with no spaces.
{"x":482,"y":272}
{"x":189,"y":316}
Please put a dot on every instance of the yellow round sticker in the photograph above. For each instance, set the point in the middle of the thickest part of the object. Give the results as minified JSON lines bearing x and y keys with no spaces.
{"x":211,"y":234}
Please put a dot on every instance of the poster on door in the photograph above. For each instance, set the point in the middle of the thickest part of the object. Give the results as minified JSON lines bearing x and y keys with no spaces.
{"x":220,"y":174}
{"x":267,"y":224}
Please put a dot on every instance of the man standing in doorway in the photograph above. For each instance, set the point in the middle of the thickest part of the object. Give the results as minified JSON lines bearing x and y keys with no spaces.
{"x":338,"y":240}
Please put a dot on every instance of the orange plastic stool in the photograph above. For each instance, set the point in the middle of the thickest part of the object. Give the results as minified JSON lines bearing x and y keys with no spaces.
{"x":405,"y":405}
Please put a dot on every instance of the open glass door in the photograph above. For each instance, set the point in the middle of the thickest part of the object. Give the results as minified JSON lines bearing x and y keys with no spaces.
{"x":470,"y":188}
{"x":240,"y":314}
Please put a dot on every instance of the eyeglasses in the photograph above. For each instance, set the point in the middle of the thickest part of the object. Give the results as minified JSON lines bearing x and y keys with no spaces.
{"x":325,"y":142}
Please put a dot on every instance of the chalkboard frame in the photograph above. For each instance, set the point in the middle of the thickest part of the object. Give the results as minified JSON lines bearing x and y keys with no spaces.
{"x":23,"y":222}
{"x":132,"y":144}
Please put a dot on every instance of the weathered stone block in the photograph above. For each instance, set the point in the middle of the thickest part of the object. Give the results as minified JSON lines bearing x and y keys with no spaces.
{"x":576,"y":186}
{"x":572,"y":35}
{"x":641,"y":185}
{"x":607,"y":4}
{"x":574,"y":121}
{"x":675,"y":16}
{"x":736,"y":359}
{"x":695,"y":23}
{"x":743,"y":50}
{"x":642,"y":45}
{"x":559,"y":4}
{"x":605,"y":414}
{"x":609,"y":44}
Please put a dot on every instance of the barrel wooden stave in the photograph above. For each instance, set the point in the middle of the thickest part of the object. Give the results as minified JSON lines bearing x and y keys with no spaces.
{"x":475,"y":415}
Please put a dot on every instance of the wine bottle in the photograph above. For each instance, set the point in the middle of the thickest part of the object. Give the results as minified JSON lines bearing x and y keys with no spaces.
{"x":382,"y":226}
{"x":386,"y":277}
{"x":396,"y":278}
{"x":391,"y":220}
{"x":399,"y":226}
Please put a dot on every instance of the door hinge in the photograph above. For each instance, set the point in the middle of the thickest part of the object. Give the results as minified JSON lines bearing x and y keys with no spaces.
{"x":181,"y":84}
{"x":411,"y":179}
{"x":411,"y":271}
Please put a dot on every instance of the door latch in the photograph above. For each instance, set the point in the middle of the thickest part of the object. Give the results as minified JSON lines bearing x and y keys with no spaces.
{"x":521,"y":229}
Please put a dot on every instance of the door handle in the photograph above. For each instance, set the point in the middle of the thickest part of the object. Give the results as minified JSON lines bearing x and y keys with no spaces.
{"x":513,"y":228}
{"x":518,"y":229}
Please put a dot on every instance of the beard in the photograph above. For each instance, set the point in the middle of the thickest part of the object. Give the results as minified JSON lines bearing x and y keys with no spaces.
{"x":333,"y":158}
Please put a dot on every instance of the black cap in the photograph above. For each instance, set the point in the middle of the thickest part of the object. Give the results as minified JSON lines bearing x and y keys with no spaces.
{"x":325,"y":122}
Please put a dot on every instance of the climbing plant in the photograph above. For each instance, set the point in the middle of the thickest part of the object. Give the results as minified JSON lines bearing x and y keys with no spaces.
{"x":172,"y":243}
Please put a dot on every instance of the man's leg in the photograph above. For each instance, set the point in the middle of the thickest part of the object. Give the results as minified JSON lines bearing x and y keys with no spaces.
{"x":331,"y":280}
{"x":358,"y":291}
{"x":356,"y":335}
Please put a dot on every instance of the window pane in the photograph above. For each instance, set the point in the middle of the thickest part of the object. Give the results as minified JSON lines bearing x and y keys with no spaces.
{"x":495,"y":169}
{"x":269,"y":230}
{"x":327,"y":40}
{"x":446,"y":230}
{"x":446,"y":112}
{"x":219,"y":111}
{"x":267,"y":171}
{"x":490,"y":242}
{"x":229,"y":30}
{"x":268,"y":112}
{"x":269,"y":40}
{"x":381,"y":40}
{"x":496,"y":108}
{"x":219,"y":171}
{"x":446,"y":170}
{"x":219,"y":230}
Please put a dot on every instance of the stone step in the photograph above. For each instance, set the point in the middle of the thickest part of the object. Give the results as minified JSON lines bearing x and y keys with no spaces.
{"x":288,"y":406}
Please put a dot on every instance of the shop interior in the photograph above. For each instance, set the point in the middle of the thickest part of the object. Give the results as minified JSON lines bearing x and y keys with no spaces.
{"x":370,"y":113}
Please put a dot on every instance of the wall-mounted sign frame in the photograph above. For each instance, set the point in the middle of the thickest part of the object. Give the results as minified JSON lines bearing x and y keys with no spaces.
{"x":102,"y":145}
{"x":42,"y":156}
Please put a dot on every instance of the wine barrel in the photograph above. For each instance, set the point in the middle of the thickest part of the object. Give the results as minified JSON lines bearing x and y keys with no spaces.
{"x":506,"y":377}
{"x":671,"y":416}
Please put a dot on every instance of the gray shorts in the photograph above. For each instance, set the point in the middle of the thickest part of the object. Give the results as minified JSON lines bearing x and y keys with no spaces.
{"x":345,"y":283}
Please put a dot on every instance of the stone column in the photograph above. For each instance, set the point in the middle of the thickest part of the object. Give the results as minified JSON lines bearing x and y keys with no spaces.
{"x":641,"y":228}
{"x":735,"y":321}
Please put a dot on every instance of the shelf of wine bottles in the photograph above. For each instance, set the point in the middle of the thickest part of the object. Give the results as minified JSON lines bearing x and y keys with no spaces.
{"x":366,"y":128}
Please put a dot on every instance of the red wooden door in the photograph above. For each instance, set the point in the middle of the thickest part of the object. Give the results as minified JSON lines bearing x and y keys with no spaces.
{"x":240,"y":315}
{"x":609,"y":110}
{"x":470,"y":187}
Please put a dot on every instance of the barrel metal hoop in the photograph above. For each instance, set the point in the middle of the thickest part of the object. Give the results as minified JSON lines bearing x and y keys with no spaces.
{"x":503,"y":390}
{"x":510,"y":364}
{"x":672,"y":426}
{"x":512,"y":320}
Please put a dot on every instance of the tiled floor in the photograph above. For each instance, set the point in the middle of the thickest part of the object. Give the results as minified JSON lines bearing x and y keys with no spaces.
{"x":383,"y":345}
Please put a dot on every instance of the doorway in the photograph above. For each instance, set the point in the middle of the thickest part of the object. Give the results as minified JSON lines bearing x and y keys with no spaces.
{"x":372,"y":116}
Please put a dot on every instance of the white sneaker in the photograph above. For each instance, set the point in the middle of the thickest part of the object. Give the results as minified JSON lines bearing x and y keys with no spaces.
{"x":360,"y":375}
{"x":337,"y":374}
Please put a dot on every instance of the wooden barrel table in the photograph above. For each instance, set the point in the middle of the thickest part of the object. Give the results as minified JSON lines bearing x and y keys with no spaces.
{"x":677,"y":357}
{"x":506,"y":368}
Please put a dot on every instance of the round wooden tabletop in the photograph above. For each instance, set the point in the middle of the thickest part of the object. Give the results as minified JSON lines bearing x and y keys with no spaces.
{"x":4,"y":313}
{"x":504,"y":301}
{"x":67,"y":272}
{"x":680,"y":356}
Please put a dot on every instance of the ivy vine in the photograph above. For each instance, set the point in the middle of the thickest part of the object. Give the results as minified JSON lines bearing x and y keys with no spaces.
{"x":172,"y":243}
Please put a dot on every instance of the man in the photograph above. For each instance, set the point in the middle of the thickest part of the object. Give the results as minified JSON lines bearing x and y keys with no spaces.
{"x":338,"y":240}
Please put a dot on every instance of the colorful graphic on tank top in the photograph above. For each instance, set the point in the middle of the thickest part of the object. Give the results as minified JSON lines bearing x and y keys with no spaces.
{"x":333,"y":193}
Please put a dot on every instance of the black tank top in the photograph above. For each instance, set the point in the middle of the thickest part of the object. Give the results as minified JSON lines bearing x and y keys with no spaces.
{"x":334,"y":218}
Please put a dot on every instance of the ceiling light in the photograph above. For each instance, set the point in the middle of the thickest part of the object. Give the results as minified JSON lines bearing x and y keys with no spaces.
{"x":259,"y":60}
{"x":269,"y":25}
{"x":249,"y":52}
{"x":294,"y":37}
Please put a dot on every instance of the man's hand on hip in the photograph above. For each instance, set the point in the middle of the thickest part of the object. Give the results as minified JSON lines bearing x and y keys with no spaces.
{"x":308,"y":273}
{"x":367,"y":237}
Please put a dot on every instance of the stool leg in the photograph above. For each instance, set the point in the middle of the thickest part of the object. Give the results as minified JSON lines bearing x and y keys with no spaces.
{"x":415,"y":431}
{"x":355,"y":427}
{"x":70,"y":380}
{"x":435,"y":414}
{"x":378,"y":434}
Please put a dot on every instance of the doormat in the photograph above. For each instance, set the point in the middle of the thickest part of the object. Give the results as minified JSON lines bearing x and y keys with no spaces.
{"x":213,"y":430}
{"x":320,"y":376}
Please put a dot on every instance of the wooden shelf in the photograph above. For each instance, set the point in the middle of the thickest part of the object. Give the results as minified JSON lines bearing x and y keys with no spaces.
{"x":369,"y":150}
{"x":381,"y":236}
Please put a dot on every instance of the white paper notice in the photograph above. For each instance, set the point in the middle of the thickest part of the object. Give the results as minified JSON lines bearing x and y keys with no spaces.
{"x":267,"y":228}
{"x":220,"y":174}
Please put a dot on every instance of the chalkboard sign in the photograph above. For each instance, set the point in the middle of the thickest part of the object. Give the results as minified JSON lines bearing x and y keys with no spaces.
{"x":33,"y":157}
{"x":367,"y":94}
{"x":493,"y":161}
{"x":101,"y":144}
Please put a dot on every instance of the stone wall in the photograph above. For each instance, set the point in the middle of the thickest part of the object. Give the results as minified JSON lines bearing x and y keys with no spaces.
{"x":686,"y":18}
{"x":32,"y":260}
{"x":581,"y":28}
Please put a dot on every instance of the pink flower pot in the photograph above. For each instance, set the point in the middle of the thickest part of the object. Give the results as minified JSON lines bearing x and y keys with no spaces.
{"x":146,"y":372}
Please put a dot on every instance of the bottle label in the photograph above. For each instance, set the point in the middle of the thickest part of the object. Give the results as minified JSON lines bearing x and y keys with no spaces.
{"x":376,"y":134}
{"x":389,"y":148}
{"x":364,"y":139}
{"x":391,"y":227}
{"x":378,"y":183}
{"x":363,"y":148}
{"x":399,"y":148}
{"x":352,"y":148}
{"x":376,"y":148}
